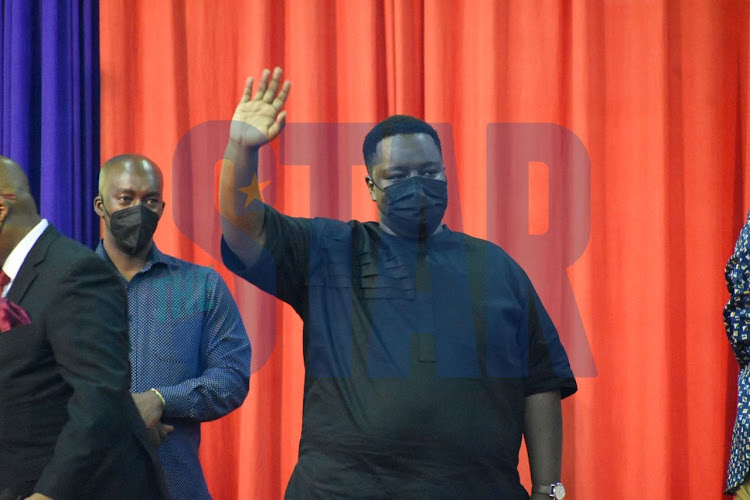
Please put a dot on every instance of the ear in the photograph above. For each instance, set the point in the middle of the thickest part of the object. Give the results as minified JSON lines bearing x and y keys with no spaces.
{"x":371,"y":187}
{"x":98,"y":206}
{"x":161,"y":210}
{"x":3,"y":209}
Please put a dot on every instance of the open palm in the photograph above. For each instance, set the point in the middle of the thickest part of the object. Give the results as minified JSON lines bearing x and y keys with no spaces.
{"x":258,"y":119}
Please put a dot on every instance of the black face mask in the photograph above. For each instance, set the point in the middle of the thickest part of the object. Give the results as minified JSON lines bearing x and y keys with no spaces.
{"x":133,"y":227}
{"x":414,"y":207}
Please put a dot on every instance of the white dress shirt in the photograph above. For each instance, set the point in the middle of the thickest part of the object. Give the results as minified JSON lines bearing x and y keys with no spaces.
{"x":18,"y":254}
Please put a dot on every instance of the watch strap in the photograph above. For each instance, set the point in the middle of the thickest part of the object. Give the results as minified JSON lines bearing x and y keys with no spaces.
{"x":550,"y":490}
{"x":544,"y":490}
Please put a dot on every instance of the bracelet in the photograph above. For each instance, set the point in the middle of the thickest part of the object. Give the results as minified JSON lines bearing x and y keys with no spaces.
{"x":161,"y":398}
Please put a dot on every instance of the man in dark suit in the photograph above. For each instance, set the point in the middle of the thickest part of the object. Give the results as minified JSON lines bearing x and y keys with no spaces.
{"x":68,"y":425}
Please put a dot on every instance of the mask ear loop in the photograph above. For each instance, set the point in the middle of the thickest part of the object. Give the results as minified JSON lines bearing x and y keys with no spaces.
{"x":375,"y":184}
{"x":104,"y":209}
{"x":109,"y":215}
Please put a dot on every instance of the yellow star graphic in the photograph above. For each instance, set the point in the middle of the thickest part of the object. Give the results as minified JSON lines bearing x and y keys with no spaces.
{"x":252,"y":189}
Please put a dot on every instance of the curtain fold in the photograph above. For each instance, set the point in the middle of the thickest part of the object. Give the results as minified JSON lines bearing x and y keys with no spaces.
{"x":50,"y":106}
{"x":618,"y":128}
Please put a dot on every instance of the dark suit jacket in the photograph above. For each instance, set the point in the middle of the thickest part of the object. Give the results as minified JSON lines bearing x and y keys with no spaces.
{"x":68,"y":425}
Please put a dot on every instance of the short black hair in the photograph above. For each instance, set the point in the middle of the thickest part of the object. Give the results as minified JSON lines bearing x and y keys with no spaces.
{"x":395,"y":125}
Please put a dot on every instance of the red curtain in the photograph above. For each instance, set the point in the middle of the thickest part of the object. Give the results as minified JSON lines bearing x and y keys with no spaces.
{"x":657,"y":93}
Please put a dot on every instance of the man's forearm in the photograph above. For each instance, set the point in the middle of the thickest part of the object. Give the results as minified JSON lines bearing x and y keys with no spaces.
{"x":543,"y":434}
{"x":239,"y":171}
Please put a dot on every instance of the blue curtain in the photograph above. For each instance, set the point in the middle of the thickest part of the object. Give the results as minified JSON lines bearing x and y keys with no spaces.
{"x":49,"y":104}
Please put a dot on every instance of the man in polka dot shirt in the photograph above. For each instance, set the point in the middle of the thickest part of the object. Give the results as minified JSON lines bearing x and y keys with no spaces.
{"x":190,"y":354}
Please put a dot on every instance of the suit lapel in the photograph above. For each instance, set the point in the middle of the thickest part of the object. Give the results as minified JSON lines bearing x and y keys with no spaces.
{"x":28,"y":271}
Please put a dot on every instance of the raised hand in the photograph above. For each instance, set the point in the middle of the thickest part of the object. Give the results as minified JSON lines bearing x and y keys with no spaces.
{"x":259,"y":119}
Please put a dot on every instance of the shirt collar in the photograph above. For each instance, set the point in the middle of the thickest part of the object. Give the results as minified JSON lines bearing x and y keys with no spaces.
{"x":15,"y":260}
{"x":154,"y":257}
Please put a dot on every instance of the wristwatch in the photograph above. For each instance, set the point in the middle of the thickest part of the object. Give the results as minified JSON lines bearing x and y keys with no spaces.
{"x":555,"y":490}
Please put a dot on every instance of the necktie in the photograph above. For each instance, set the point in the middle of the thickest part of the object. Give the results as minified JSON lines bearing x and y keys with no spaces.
{"x":4,"y":280}
{"x":11,"y":314}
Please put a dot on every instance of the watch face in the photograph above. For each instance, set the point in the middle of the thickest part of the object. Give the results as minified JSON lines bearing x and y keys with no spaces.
{"x":558,"y":491}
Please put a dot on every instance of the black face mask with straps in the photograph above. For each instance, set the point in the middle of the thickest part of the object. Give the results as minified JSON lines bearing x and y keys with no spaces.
{"x":414,"y":207}
{"x":133,"y":227}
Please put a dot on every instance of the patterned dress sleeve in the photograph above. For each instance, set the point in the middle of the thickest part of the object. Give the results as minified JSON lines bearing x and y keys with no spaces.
{"x":225,"y":354}
{"x":737,"y":310}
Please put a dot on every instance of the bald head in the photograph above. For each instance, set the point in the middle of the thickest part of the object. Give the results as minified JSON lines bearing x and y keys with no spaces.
{"x":13,"y":179}
{"x":133,"y":165}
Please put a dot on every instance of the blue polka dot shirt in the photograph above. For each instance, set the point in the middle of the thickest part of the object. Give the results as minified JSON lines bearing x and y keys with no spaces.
{"x":187,"y":341}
